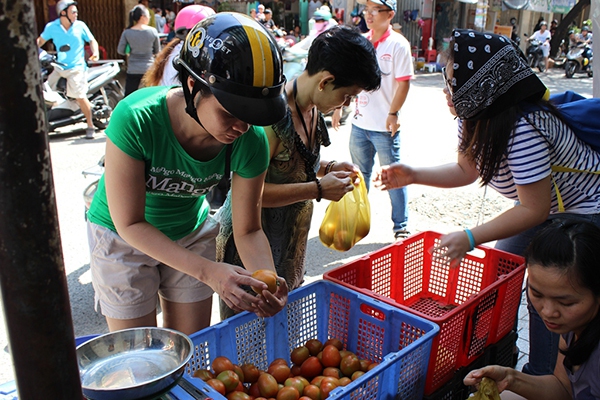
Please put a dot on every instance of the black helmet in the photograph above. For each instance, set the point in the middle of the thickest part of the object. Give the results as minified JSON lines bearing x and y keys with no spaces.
{"x":239,"y":61}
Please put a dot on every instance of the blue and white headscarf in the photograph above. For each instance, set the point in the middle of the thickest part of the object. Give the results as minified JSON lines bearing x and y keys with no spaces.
{"x":490,"y":74}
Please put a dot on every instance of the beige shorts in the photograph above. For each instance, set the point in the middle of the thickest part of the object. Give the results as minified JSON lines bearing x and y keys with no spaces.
{"x":127,"y":282}
{"x":77,"y":85}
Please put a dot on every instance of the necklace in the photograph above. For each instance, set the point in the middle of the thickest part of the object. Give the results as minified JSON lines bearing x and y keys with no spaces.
{"x":312,"y":117}
{"x":308,"y":156}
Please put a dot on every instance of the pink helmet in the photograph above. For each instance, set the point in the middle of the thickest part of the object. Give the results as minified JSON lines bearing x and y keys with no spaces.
{"x":190,"y":16}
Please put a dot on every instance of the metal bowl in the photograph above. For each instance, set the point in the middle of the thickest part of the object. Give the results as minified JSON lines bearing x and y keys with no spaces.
{"x":132,"y":363}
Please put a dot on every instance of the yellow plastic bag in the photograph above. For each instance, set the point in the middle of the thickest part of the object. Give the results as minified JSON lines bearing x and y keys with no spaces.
{"x":348,"y":220}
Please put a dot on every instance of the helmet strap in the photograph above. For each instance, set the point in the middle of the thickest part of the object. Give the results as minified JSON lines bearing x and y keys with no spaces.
{"x":190,"y":107}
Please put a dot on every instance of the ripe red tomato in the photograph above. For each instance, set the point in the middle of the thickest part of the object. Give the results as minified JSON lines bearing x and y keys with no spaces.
{"x":253,"y":390}
{"x":331,"y":356}
{"x":314,"y":346}
{"x":299,"y":355}
{"x":288,"y":393}
{"x":326,"y":388}
{"x":251,"y":373}
{"x":280,"y":372}
{"x":203,"y":374}
{"x":217,"y":385}
{"x":364,"y":364}
{"x":350,"y":364}
{"x":333,"y":372}
{"x":311,"y":368}
{"x":336,"y":342}
{"x":267,"y":276}
{"x":295,"y":370}
{"x":267,"y":385}
{"x":278,"y":361}
{"x":230,"y":379}
{"x":372,"y":365}
{"x":221,"y":364}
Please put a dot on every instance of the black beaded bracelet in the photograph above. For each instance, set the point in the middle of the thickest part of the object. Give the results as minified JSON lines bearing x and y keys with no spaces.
{"x":329,"y":166}
{"x":319,"y":189}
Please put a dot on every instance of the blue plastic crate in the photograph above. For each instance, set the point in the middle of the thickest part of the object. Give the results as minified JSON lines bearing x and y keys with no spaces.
{"x":399,"y":341}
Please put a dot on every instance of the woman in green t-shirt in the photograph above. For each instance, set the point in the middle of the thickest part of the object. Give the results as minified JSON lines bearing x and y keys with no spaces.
{"x":150,"y":232}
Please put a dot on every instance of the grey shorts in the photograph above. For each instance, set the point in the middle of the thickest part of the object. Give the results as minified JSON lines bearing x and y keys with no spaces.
{"x":127,"y":282}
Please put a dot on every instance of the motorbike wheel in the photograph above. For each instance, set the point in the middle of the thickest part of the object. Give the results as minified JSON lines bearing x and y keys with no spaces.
{"x":542,"y":65}
{"x":113,"y":99}
{"x":570,"y":69}
{"x":530,"y":60}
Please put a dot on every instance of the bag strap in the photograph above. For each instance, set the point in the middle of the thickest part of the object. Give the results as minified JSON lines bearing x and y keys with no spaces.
{"x":558,"y":168}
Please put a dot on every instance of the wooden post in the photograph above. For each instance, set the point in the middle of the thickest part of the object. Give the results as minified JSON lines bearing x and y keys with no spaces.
{"x":33,"y":284}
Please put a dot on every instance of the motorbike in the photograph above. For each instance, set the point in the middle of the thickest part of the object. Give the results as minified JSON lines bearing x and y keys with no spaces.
{"x":560,"y":58}
{"x":535,"y":55}
{"x":95,"y":171}
{"x":578,"y":62}
{"x":104,"y":92}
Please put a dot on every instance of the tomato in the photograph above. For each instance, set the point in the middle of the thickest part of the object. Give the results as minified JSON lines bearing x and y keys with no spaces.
{"x":333,"y":372}
{"x":240,"y":387}
{"x":312,"y":391}
{"x":357,"y":375}
{"x":326,"y":233}
{"x":304,"y":381}
{"x":336,"y":342}
{"x":278,"y":361}
{"x":253,"y":390}
{"x":314,"y":346}
{"x":203,"y":374}
{"x":331,"y":356}
{"x":317,"y":380}
{"x":372,"y":365}
{"x":288,"y":393}
{"x":267,"y":276}
{"x":238,"y":396}
{"x":350,"y":364}
{"x":364,"y":364}
{"x":345,"y":381}
{"x":299,"y":355}
{"x":238,"y":370}
{"x":221,"y":364}
{"x":344,"y":353}
{"x":301,"y":398}
{"x":343,"y":240}
{"x":295,"y":370}
{"x":230,"y":379}
{"x":267,"y":385}
{"x":280,"y":372}
{"x":294,"y":382}
{"x":311,"y":368}
{"x":250,"y":373}
{"x":217,"y":385}
{"x":326,"y":388}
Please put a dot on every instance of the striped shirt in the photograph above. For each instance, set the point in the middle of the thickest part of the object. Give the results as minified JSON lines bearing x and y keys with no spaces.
{"x":532,"y":152}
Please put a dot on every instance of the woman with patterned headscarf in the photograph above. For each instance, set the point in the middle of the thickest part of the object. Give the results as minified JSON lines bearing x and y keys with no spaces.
{"x":510,"y":137}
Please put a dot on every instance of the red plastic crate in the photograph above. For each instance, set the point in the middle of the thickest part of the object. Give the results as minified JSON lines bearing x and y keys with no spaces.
{"x":475,"y":304}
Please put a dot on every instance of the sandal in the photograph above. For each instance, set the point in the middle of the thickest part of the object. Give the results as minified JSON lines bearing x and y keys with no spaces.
{"x":402,"y":234}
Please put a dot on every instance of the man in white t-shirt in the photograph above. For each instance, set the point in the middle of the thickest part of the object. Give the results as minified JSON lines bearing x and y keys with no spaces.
{"x":543,"y":36}
{"x":376,"y":123}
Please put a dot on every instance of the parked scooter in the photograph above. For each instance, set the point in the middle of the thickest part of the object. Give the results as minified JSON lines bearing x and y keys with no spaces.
{"x":578,"y":62}
{"x":104,"y":92}
{"x":95,"y":171}
{"x":535,"y":55}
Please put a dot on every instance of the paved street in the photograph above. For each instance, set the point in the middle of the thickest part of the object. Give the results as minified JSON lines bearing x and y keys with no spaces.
{"x":428,"y":138}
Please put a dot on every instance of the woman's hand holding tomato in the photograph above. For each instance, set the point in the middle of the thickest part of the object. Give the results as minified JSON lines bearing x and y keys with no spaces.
{"x":270,"y":303}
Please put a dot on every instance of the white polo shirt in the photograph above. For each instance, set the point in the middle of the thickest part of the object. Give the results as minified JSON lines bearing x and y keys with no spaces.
{"x":395,"y":62}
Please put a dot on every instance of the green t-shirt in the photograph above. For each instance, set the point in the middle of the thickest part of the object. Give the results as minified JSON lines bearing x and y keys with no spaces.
{"x":176,"y":183}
